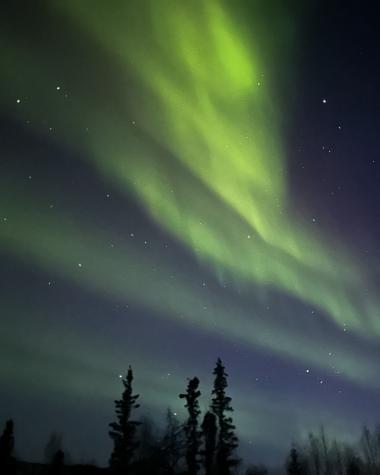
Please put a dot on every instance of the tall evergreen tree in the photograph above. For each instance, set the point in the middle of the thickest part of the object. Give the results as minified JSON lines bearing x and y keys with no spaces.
{"x":209,"y":431}
{"x":7,"y":442}
{"x":193,"y":435}
{"x":221,"y":404}
{"x":123,"y":431}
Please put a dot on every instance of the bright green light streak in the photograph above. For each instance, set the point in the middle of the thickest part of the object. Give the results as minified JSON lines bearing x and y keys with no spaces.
{"x":211,"y":108}
{"x":209,"y":167}
{"x":59,"y":244}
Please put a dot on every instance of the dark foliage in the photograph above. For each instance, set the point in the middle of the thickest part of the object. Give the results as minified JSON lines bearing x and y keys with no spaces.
{"x":221,"y":405}
{"x":209,"y":430}
{"x":57,"y":464}
{"x":193,"y":435}
{"x":123,"y":431}
{"x":7,"y":441}
{"x":172,"y":444}
{"x":294,"y":466}
{"x":354,"y":466}
{"x":140,"y":449}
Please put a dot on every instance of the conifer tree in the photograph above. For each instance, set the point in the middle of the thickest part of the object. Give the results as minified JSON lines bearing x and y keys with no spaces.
{"x":123,"y":431}
{"x":209,"y":430}
{"x":221,"y":404}
{"x":193,"y":435}
{"x":293,"y":465}
{"x":7,"y":440}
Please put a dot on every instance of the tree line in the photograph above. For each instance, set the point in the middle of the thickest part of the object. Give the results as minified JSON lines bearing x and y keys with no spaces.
{"x":200,"y":445}
{"x":208,"y":445}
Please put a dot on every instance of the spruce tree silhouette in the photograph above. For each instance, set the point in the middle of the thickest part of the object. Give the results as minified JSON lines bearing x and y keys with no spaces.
{"x":193,"y":435}
{"x":7,"y":442}
{"x":123,"y":431}
{"x":293,"y":465}
{"x":227,"y":441}
{"x":209,"y":430}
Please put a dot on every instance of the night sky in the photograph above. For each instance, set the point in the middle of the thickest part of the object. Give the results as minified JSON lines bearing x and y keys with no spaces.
{"x":182,"y":180}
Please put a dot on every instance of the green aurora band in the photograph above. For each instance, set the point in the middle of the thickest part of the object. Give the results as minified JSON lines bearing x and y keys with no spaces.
{"x":192,"y":130}
{"x":215,"y":117}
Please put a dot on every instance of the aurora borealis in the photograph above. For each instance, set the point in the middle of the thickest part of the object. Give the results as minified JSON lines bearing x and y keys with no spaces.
{"x":181,"y":181}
